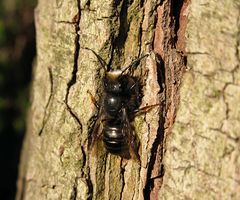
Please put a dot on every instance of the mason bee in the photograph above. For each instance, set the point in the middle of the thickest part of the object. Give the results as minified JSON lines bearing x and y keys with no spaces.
{"x":119,"y":105}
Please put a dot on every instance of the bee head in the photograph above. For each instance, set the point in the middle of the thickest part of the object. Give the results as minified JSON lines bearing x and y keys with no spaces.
{"x":117,"y":81}
{"x":112,"y":82}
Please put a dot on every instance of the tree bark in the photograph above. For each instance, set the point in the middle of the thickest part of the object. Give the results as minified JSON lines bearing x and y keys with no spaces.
{"x":189,"y":145}
{"x":202,"y":158}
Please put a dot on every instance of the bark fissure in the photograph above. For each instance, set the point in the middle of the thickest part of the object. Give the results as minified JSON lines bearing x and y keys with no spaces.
{"x":85,"y":174}
{"x":157,"y":146}
{"x":141,"y":29}
{"x":73,"y":80}
{"x":225,"y":101}
{"x":74,"y":191}
{"x":171,"y":64}
{"x":237,"y":47}
{"x":90,"y":188}
{"x":123,"y":179}
{"x":176,"y":7}
{"x":119,"y":41}
{"x":235,"y":139}
{"x":46,"y":116}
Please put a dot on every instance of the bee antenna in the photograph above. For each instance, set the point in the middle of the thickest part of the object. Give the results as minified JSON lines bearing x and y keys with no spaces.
{"x":134,"y":63}
{"x":102,"y":62}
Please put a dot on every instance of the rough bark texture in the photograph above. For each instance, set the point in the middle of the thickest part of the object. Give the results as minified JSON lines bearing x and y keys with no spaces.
{"x":202,"y":159}
{"x":198,"y":158}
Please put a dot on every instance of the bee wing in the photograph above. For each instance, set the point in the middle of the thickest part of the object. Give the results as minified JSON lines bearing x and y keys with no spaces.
{"x":95,"y":133}
{"x":129,"y":133}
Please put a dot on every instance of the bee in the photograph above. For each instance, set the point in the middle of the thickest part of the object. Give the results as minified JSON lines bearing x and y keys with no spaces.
{"x":119,"y":105}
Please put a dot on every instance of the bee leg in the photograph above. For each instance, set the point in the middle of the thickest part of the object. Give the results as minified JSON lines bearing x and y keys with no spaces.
{"x":95,"y":133}
{"x":134,"y":150}
{"x":131,"y":138}
{"x":94,"y":101}
{"x":133,"y":86}
{"x":144,"y":109}
{"x":139,"y":80}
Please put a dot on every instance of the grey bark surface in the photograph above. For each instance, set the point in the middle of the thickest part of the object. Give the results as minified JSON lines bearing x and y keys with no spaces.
{"x":189,"y":145}
{"x":56,"y":161}
{"x":202,"y":159}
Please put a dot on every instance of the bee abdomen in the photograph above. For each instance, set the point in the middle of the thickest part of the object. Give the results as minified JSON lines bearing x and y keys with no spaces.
{"x":113,"y":138}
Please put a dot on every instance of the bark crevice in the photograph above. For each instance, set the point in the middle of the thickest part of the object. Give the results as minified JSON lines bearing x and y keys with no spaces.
{"x":46,"y":116}
{"x":73,"y":80}
{"x":157,"y":146}
{"x":123,"y":178}
{"x":74,"y":191}
{"x":85,"y":174}
{"x":171,"y":63}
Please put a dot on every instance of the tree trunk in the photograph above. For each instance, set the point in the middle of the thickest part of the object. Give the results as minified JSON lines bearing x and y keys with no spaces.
{"x":202,"y":158}
{"x":189,"y":145}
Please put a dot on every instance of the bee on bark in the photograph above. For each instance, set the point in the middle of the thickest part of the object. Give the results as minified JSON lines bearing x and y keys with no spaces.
{"x":119,"y":105}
